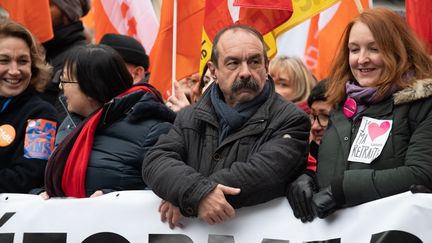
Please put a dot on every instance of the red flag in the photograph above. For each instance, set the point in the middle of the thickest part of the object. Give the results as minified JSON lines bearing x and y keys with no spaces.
{"x":190,"y":17}
{"x":418,"y":17}
{"x":35,"y":15}
{"x":265,"y":4}
{"x":259,"y":14}
{"x":217,"y":16}
{"x":265,"y":16}
{"x":264,"y":20}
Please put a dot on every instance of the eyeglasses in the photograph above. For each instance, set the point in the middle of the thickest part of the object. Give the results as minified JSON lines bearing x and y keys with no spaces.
{"x":65,"y":81}
{"x":321,"y":118}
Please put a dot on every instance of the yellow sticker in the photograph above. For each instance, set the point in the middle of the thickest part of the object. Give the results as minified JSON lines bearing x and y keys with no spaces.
{"x":7,"y":135}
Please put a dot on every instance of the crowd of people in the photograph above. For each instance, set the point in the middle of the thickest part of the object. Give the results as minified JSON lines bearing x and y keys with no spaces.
{"x":241,"y":132}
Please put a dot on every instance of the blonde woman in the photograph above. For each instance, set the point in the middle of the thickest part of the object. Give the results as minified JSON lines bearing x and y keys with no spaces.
{"x":293,"y":80}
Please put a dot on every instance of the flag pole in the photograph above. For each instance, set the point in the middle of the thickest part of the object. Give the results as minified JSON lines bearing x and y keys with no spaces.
{"x":174,"y":48}
{"x":359,"y":5}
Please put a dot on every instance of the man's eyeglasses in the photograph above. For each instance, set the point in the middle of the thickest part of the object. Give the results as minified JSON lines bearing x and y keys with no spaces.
{"x":321,"y":118}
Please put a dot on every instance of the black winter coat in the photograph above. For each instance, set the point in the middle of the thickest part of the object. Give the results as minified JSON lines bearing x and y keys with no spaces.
{"x":260,"y":158}
{"x":23,"y":161}
{"x":404,"y":160}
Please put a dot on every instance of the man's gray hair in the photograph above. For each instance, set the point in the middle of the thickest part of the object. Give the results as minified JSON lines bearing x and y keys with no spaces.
{"x":215,"y":53}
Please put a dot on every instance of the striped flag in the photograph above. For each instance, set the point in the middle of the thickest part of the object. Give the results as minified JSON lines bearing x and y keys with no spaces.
{"x":135,"y":18}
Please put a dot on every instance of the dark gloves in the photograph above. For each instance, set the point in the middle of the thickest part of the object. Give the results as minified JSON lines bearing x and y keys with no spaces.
{"x":324,"y":203}
{"x":299,"y":195}
{"x":420,"y":189}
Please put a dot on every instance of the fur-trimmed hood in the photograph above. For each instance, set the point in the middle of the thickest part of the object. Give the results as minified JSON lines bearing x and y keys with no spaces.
{"x":418,"y":90}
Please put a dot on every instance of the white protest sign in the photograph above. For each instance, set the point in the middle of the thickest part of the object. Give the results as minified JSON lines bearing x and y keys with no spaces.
{"x":370,"y":140}
{"x":132,"y":217}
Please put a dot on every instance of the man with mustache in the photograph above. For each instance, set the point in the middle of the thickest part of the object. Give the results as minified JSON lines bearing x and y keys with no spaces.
{"x":240,"y":145}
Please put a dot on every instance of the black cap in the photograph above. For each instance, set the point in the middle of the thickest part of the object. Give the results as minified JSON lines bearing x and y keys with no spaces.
{"x":129,"y":48}
{"x":318,"y":93}
{"x":73,"y":9}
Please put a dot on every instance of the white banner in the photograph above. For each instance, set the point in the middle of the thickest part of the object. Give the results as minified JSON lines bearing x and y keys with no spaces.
{"x":131,"y":216}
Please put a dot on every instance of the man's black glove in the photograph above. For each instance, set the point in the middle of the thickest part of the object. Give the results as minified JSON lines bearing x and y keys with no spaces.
{"x":324,"y":203}
{"x":420,"y":189}
{"x":299,"y":195}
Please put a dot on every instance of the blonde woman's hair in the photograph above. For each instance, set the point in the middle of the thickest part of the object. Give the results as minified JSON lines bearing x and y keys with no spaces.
{"x":298,"y":74}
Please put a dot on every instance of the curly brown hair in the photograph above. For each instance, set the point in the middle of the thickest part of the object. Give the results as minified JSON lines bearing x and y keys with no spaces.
{"x":41,"y":71}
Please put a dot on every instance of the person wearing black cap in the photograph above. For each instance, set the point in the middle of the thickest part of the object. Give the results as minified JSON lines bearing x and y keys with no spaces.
{"x":68,"y":33}
{"x":132,"y":52}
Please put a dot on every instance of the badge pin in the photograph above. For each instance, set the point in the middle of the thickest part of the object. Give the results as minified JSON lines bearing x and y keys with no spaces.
{"x":7,"y":135}
{"x":350,"y":107}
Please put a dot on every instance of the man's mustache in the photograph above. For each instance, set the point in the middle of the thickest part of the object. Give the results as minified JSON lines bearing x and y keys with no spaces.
{"x":249,"y":83}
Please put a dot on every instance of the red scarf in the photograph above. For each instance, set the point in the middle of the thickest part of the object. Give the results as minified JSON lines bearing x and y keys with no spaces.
{"x":74,"y":173}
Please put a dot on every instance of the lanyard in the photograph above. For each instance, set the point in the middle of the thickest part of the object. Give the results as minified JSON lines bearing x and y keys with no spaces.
{"x":5,"y":104}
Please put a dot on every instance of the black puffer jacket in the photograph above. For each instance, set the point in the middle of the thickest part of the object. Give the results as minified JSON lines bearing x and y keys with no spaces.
{"x":260,"y":158}
{"x":126,"y":131}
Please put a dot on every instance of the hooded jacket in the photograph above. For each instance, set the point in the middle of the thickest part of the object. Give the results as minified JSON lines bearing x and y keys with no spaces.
{"x":260,"y":158}
{"x":406,"y":156}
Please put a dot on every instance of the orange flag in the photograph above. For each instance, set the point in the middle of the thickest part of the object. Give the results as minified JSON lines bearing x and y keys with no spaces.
{"x":135,"y":18}
{"x":418,"y":17}
{"x":325,"y":32}
{"x":34,"y":14}
{"x":190,"y":17}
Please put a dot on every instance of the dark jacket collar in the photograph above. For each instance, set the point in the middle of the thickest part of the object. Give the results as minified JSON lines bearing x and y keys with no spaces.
{"x":138,"y":106}
{"x":64,"y":37}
